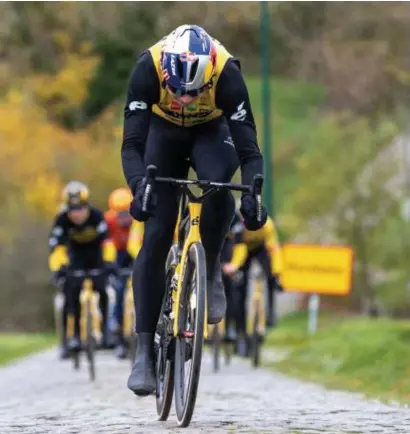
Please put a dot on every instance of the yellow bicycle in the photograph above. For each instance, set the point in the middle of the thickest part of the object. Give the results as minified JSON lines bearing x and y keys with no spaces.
{"x":182,"y":325}
{"x":256,"y":316}
{"x":90,"y":321}
{"x":128,"y":327}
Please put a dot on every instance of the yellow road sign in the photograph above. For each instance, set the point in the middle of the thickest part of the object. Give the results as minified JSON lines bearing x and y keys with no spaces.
{"x":319,"y":269}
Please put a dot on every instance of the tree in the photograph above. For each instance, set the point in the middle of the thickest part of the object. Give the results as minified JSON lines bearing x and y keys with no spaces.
{"x":344,"y":194}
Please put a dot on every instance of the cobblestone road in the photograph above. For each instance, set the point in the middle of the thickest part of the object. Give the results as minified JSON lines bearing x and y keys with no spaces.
{"x":43,"y":395}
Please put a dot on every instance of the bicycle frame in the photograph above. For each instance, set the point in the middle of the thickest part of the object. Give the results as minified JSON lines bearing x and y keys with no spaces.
{"x":257,"y":304}
{"x":194,"y":212}
{"x":194,"y":209}
{"x":88,"y":297}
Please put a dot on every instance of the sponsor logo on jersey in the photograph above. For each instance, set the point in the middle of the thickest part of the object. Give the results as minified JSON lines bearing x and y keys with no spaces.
{"x":175,"y":105}
{"x":240,"y":115}
{"x":137,"y":105}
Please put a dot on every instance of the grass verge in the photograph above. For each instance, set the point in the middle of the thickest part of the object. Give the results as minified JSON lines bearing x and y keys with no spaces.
{"x":16,"y":345}
{"x":359,"y":354}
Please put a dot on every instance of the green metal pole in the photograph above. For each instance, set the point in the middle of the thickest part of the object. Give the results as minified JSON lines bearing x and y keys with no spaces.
{"x":266,"y":106}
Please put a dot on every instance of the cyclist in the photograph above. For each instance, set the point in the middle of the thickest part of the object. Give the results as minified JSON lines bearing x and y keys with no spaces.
{"x":187,"y":104}
{"x":119,"y":223}
{"x":77,"y":242}
{"x":234,"y":254}
{"x":262,"y":245}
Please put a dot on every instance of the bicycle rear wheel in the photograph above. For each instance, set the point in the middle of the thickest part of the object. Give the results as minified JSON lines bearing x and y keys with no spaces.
{"x":76,"y":359}
{"x":256,"y":341}
{"x":191,"y":334}
{"x":163,"y":344}
{"x":228,"y":348}
{"x":132,"y":348}
{"x":216,"y":347}
{"x":90,"y":343}
{"x":75,"y":352}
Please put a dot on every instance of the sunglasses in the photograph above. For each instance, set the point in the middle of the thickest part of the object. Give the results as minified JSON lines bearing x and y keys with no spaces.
{"x":193,"y":93}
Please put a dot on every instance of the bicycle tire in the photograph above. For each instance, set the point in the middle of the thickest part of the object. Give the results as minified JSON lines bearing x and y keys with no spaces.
{"x":195,"y":268}
{"x":165,"y":385}
{"x":165,"y":371}
{"x":76,"y":359}
{"x":216,"y":348}
{"x":228,"y":352}
{"x":255,"y":342}
{"x":90,"y":343}
{"x":58,"y":322}
{"x":132,"y":348}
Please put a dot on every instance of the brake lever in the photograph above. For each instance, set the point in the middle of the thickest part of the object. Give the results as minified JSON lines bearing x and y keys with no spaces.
{"x":150,"y":182}
{"x":257,"y":193}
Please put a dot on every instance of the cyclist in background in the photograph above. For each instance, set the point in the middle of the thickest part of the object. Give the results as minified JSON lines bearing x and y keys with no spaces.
{"x":78,"y":242}
{"x":234,"y":254}
{"x":119,"y":223}
{"x":261,"y":245}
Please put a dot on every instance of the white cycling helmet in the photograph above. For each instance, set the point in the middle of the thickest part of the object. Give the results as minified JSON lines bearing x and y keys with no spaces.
{"x":188,"y":60}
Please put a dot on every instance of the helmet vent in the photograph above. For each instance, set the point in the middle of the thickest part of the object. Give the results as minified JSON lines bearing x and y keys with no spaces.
{"x":194,"y":69}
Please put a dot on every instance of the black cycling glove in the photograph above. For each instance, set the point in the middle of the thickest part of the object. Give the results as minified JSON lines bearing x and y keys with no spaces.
{"x":111,"y":268}
{"x":249,"y":211}
{"x":136,"y":205}
{"x":59,"y":276}
{"x":276,"y":283}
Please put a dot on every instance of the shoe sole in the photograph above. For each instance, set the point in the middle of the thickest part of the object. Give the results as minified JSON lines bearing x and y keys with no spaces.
{"x":215,"y":321}
{"x":143,"y":392}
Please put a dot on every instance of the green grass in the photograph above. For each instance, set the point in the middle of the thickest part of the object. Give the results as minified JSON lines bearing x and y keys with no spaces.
{"x":17,"y":345}
{"x":359,"y":354}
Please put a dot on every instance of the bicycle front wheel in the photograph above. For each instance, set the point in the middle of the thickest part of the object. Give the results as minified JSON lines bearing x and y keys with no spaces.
{"x":191,"y":325}
{"x":132,"y":348}
{"x":90,"y":343}
{"x":228,"y":352}
{"x":256,"y":342}
{"x":164,"y":345}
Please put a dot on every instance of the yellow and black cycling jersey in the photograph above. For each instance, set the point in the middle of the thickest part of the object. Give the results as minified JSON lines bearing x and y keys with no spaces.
{"x":81,"y":246}
{"x":227,"y":98}
{"x":199,"y":111}
{"x":249,"y":241}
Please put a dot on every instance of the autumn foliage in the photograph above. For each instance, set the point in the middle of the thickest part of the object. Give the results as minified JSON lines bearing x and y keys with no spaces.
{"x":37,"y":157}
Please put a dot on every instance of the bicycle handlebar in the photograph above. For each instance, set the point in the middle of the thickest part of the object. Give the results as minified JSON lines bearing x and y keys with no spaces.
{"x":150,"y":175}
{"x":86,"y":273}
{"x":125,"y":272}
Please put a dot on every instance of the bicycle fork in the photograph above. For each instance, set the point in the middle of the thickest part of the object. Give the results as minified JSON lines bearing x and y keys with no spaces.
{"x":257,"y":310}
{"x":89,"y":304}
